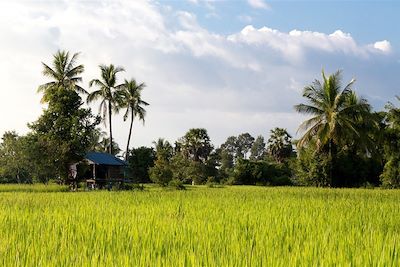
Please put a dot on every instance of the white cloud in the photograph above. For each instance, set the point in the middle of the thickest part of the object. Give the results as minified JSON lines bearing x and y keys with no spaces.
{"x":294,"y":45}
{"x":258,"y":4}
{"x":383,"y":46}
{"x":248,"y":81}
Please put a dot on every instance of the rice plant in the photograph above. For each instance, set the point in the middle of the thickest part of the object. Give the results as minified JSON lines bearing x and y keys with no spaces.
{"x":231,"y":226}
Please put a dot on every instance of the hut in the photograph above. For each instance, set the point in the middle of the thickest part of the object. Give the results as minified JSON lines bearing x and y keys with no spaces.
{"x":106,"y":169}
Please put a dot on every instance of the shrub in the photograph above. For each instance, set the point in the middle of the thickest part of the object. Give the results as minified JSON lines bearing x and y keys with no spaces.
{"x":177,"y":184}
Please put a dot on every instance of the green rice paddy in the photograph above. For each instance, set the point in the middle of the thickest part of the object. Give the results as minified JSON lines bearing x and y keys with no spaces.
{"x":231,"y":226}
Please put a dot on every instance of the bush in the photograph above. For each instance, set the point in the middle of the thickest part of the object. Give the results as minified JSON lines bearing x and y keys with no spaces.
{"x":137,"y":187}
{"x":249,"y":172}
{"x":177,"y":184}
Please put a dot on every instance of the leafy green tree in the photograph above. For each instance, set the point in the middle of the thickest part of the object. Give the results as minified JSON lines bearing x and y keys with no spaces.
{"x":257,"y":151}
{"x":129,"y":97}
{"x":391,"y":172}
{"x":161,"y":172}
{"x":63,"y":132}
{"x":244,"y":142}
{"x":140,"y":160}
{"x":248,"y":172}
{"x":280,"y":145}
{"x":335,"y":112}
{"x":239,"y":147}
{"x":311,"y":167}
{"x":230,"y":148}
{"x":180,"y":166}
{"x":108,"y":86}
{"x":13,"y":161}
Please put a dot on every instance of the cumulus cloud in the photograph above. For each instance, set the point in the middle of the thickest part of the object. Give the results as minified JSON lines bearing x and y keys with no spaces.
{"x":258,"y":4}
{"x":294,"y":44}
{"x":247,"y":81}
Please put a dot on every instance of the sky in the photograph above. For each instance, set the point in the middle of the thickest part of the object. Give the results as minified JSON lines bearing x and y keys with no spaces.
{"x":227,"y":66}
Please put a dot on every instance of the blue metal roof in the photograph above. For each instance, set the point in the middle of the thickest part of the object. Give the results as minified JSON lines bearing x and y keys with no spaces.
{"x":104,"y":159}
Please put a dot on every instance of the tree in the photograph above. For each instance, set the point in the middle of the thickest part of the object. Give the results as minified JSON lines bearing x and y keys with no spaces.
{"x":107,"y":85}
{"x":390,"y":176}
{"x":257,"y":151}
{"x":163,"y":149}
{"x":129,"y":97}
{"x":99,"y":142}
{"x":280,"y":145}
{"x":311,"y":168}
{"x":64,"y":74}
{"x":335,"y":114}
{"x":244,"y":142}
{"x":196,"y":145}
{"x":140,"y":160}
{"x":260,"y":172}
{"x":62,"y":134}
{"x":13,"y":162}
{"x":161,"y":172}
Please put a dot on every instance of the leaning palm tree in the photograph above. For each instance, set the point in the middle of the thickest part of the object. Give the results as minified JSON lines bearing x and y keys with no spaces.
{"x":64,"y":74}
{"x":129,"y":97}
{"x":107,"y":85}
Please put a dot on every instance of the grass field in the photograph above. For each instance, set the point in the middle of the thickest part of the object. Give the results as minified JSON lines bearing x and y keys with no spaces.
{"x":231,"y":226}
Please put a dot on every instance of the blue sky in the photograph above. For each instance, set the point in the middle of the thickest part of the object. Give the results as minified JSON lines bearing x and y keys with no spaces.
{"x":366,"y":20}
{"x":228,"y":66}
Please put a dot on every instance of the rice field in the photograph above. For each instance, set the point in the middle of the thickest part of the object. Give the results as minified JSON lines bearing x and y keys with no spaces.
{"x":231,"y":226}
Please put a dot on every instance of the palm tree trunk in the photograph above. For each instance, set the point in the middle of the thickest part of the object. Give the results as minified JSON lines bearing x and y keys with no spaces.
{"x":109,"y":121}
{"x":129,"y":136}
{"x":332,"y":155}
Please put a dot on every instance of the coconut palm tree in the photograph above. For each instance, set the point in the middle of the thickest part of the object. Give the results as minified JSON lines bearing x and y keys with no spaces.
{"x":107,"y":85}
{"x":64,"y":74}
{"x":336,"y":113}
{"x":129,"y":97}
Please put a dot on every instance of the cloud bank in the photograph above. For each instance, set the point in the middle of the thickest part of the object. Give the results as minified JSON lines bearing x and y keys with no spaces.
{"x":245,"y":81}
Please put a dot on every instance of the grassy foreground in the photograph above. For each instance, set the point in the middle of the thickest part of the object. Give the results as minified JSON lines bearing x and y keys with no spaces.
{"x":232,"y":226}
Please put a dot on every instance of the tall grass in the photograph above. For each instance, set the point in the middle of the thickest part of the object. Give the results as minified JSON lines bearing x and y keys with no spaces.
{"x":232,"y":226}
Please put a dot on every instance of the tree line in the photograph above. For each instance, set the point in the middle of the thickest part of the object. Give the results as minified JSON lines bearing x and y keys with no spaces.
{"x":344,"y":143}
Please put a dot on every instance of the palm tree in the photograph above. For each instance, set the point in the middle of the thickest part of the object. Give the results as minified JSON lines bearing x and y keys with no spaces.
{"x":164,"y":149}
{"x":64,"y":74}
{"x":129,"y":97}
{"x":107,"y":93}
{"x":280,"y":144}
{"x":336,"y":113}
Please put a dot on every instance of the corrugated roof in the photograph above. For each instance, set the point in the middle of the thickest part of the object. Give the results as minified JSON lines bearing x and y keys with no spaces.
{"x":104,"y":159}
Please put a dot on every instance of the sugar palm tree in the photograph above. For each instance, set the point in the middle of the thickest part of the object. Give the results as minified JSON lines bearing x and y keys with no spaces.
{"x":107,"y":85}
{"x":64,"y":74}
{"x":129,"y":97}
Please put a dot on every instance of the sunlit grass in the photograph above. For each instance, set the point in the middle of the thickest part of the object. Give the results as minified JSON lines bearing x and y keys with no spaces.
{"x":231,"y":226}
